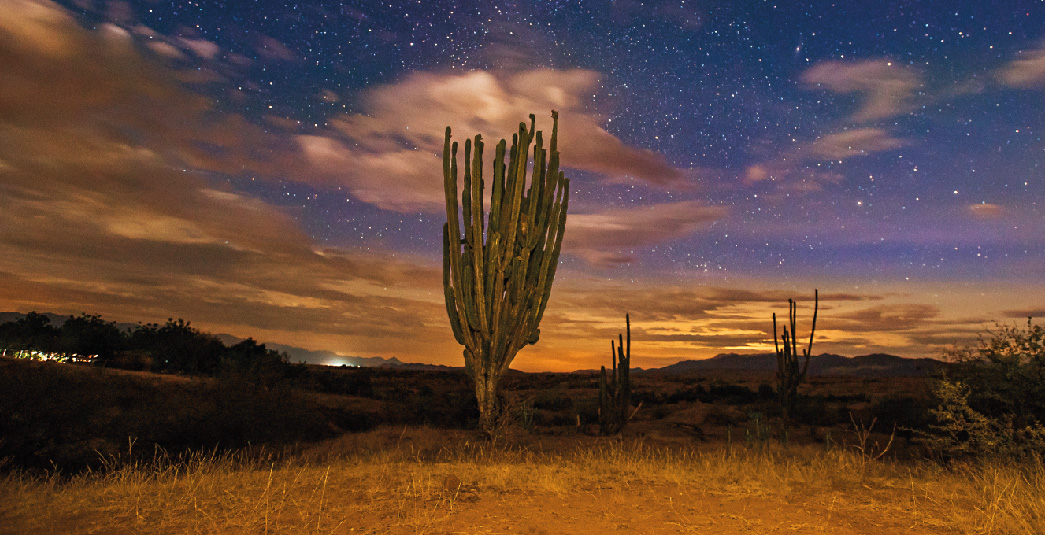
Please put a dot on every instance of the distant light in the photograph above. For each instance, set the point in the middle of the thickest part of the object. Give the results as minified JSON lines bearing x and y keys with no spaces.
{"x":336,"y":362}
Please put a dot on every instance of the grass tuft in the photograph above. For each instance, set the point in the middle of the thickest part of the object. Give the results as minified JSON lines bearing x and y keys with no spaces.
{"x":423,"y":481}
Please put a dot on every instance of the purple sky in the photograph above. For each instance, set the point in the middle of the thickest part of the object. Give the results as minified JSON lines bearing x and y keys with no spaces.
{"x":272,"y":169}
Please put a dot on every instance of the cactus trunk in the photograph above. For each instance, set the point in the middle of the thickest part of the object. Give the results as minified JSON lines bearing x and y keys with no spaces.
{"x":486,"y":393}
{"x":615,"y":391}
{"x":789,"y":373}
{"x":497,"y":279}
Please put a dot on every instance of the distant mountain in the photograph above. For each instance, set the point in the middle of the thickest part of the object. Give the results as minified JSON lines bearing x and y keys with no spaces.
{"x":328,"y":358}
{"x":874,"y":365}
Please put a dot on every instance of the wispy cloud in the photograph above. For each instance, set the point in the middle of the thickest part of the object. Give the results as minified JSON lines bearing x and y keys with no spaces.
{"x":401,"y":132}
{"x":610,"y":237}
{"x":853,"y":142}
{"x":887,"y":89}
{"x":108,"y":204}
{"x":986,"y":210}
{"x":1025,"y":72}
{"x":106,"y":207}
{"x":794,"y":171}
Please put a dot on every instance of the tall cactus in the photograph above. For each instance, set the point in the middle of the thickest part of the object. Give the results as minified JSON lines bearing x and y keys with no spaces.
{"x":615,"y":391}
{"x":789,"y":374}
{"x":496,"y":291}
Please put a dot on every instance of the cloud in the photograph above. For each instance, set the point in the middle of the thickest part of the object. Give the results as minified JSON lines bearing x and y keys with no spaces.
{"x":270,"y":48}
{"x":796,"y":174}
{"x":892,"y":317}
{"x":201,"y":47}
{"x":606,"y":237}
{"x":401,"y":180}
{"x":107,"y":206}
{"x":855,"y":142}
{"x":986,"y":210}
{"x":402,"y":126}
{"x":1026,"y":72}
{"x":887,"y":88}
{"x":38,"y":27}
{"x":1036,"y":312}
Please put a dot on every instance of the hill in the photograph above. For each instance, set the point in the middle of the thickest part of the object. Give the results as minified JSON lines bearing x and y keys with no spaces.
{"x":873,"y":365}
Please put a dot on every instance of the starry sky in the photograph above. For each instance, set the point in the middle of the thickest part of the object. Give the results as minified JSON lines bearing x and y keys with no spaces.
{"x":272,"y":169}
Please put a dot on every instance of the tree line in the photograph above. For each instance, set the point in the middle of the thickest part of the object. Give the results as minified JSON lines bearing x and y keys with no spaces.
{"x":174,"y":347}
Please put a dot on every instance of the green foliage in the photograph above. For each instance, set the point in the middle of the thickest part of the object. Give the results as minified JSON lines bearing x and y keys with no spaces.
{"x":961,"y":431}
{"x":994,"y":401}
{"x":497,"y":278}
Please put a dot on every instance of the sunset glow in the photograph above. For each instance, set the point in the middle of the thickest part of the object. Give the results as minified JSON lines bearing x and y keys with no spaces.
{"x":273,"y":170}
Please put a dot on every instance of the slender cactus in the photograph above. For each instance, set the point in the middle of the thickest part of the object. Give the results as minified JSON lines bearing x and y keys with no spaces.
{"x":789,"y":374}
{"x":496,"y":291}
{"x":615,"y":392}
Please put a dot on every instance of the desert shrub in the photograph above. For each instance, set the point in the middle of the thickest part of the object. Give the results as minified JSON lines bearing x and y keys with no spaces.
{"x":904,"y":413}
{"x":959,"y":430}
{"x":555,"y":400}
{"x":731,"y":394}
{"x":449,"y":408}
{"x":648,"y":397}
{"x":766,"y":391}
{"x":64,"y":416}
{"x":727,"y":415}
{"x":347,"y":381}
{"x":821,"y":411}
{"x":588,"y":410}
{"x":994,"y":401}
{"x":687,"y":395}
{"x":660,"y":412}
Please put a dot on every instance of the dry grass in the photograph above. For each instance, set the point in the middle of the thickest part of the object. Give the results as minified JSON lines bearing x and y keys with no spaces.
{"x":424,"y":481}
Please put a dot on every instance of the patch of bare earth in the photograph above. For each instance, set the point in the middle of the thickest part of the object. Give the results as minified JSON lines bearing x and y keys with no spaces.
{"x":653,"y":508}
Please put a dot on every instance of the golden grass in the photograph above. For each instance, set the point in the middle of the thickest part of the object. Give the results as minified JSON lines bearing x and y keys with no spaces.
{"x":424,"y":481}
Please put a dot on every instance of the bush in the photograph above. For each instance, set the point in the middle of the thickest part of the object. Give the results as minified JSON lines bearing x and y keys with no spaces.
{"x":961,"y":431}
{"x":994,"y":403}
{"x":69,"y":417}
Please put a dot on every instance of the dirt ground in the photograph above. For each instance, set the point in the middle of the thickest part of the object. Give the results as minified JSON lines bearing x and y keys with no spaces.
{"x":650,"y":508}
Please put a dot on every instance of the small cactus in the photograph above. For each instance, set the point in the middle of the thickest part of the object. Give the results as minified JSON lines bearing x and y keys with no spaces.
{"x":615,"y":391}
{"x":789,"y":374}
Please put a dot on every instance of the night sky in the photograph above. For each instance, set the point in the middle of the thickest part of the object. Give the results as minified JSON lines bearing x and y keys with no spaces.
{"x":272,"y":169}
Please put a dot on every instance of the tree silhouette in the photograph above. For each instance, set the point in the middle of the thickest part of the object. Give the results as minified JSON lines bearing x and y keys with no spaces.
{"x":88,"y":334}
{"x":32,"y":331}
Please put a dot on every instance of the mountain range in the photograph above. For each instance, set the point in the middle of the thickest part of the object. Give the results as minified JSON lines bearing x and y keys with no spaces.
{"x":873,"y":365}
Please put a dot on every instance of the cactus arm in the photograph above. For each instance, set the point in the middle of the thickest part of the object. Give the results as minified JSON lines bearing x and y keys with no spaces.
{"x":448,"y":291}
{"x":452,"y":243}
{"x":476,"y":232}
{"x":812,"y":331}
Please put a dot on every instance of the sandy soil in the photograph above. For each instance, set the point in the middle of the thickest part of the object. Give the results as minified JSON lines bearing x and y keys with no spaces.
{"x":656,"y":508}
